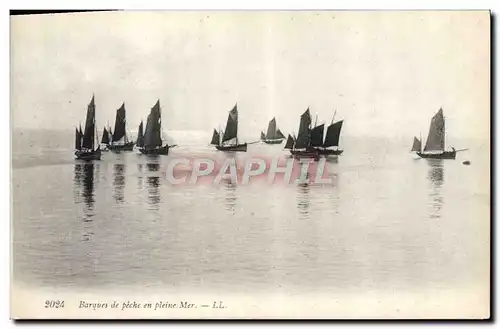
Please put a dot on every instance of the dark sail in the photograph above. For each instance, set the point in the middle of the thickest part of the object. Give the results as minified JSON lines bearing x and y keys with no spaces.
{"x":289,"y":142}
{"x":105,"y":137}
{"x":317,"y":135}
{"x":78,"y":139}
{"x":140,"y":136}
{"x":120,"y":122}
{"x":279,"y":134}
{"x":88,"y":135}
{"x":304,"y":135}
{"x":417,"y":145}
{"x":271,"y":129}
{"x":333,"y":134}
{"x":152,"y":136}
{"x":215,"y":138}
{"x":435,"y":140}
{"x":262,"y":135}
{"x":232,"y":125}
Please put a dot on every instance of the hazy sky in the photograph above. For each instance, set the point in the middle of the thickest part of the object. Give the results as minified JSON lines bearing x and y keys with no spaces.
{"x":386,"y":73}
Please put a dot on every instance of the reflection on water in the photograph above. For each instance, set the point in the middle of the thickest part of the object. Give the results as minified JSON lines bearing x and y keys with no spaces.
{"x":153,"y":185}
{"x":84,"y":181}
{"x":119,"y":182}
{"x":230,"y":189}
{"x":435,"y":175}
{"x":303,"y":200}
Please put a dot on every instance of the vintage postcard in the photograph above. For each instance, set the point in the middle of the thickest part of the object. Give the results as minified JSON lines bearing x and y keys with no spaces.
{"x":250,"y":165}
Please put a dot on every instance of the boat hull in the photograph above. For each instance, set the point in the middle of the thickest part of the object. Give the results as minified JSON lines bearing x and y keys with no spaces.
{"x":124,"y":147}
{"x":305,"y":153}
{"x":88,"y":155}
{"x":232,"y":148}
{"x":442,"y":155}
{"x":156,"y":151}
{"x":323,"y":151}
{"x":273,"y":141}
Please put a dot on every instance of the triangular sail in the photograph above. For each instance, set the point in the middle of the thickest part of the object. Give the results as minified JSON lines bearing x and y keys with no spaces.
{"x":289,"y":142}
{"x":262,"y":135}
{"x":120,"y":123}
{"x":279,"y":134}
{"x":215,"y":138}
{"x":78,"y":139}
{"x":333,"y":134}
{"x":417,"y":145}
{"x":435,"y":140}
{"x":271,"y":129}
{"x":304,"y":135}
{"x":88,"y":135}
{"x":105,"y":137}
{"x":140,"y":136}
{"x":232,"y":125}
{"x":317,"y":135}
{"x":152,"y":136}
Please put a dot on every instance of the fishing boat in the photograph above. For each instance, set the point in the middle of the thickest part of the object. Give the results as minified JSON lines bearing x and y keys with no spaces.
{"x":86,"y":141}
{"x":273,"y":135}
{"x":289,"y":142}
{"x":140,"y":136}
{"x":435,"y":145}
{"x":302,"y":146}
{"x":105,"y":139}
{"x":330,"y":145}
{"x":229,"y":142}
{"x":119,"y":140}
{"x":153,"y":144}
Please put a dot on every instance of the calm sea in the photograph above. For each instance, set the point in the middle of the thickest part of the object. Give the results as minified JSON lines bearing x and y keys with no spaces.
{"x":389,"y":221}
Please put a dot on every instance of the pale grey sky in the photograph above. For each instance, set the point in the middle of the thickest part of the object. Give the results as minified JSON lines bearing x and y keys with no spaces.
{"x":386,"y":73}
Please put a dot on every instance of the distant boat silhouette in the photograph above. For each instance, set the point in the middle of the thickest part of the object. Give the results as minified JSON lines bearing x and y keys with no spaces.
{"x":140,"y":136}
{"x":119,"y":140}
{"x":86,"y":141}
{"x":231,"y":134}
{"x":273,"y":135}
{"x":153,"y":144}
{"x":435,"y":145}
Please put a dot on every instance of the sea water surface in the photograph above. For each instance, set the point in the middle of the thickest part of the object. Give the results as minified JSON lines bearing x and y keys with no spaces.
{"x":388,"y":222}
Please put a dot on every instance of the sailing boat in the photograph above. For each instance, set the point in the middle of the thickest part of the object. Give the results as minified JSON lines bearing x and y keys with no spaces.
{"x":289,"y":142}
{"x":331,"y":139}
{"x":140,"y":136}
{"x":273,"y":136}
{"x":85,"y":142}
{"x":302,"y":146}
{"x":153,"y":143}
{"x":105,"y":139}
{"x":435,"y":145}
{"x":119,"y":141}
{"x":231,"y":133}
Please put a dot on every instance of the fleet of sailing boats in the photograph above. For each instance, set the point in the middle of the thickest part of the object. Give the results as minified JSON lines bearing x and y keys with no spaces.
{"x":273,"y":135}
{"x":310,"y":142}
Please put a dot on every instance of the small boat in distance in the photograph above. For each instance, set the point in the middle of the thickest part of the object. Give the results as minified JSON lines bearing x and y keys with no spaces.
{"x":140,"y":136}
{"x":273,"y":135}
{"x":119,"y":140}
{"x":435,"y":145}
{"x":153,"y":144}
{"x":86,"y":141}
{"x":302,"y":147}
{"x":289,"y":142}
{"x":106,"y":137}
{"x":231,"y":134}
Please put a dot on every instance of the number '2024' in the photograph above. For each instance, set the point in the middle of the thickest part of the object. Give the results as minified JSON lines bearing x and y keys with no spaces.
{"x":54,"y":303}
